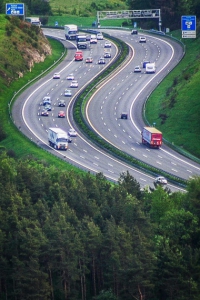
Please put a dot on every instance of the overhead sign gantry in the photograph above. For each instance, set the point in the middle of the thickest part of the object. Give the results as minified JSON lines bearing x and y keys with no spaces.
{"x":130,"y":14}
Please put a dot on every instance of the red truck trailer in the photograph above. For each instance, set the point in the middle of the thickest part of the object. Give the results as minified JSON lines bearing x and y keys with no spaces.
{"x":78,"y":56}
{"x":152,"y":137}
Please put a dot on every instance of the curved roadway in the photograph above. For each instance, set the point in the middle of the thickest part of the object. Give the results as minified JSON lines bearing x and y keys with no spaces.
{"x":120,"y":92}
{"x":128,"y":92}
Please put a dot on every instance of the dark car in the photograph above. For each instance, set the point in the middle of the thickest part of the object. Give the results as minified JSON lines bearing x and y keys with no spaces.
{"x":144,"y":63}
{"x":134,"y":31}
{"x":124,"y":115}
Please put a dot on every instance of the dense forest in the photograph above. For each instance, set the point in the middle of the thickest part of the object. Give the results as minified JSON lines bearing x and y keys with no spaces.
{"x":65,"y":236}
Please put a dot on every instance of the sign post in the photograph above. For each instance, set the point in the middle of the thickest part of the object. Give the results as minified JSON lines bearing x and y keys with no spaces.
{"x":188,"y":24}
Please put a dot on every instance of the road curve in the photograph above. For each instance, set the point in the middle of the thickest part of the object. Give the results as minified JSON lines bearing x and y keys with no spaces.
{"x":81,"y":152}
{"x":128,"y":92}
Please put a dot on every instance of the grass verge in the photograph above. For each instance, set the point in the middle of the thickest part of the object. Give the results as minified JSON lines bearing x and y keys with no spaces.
{"x":15,"y":143}
{"x":174,"y":106}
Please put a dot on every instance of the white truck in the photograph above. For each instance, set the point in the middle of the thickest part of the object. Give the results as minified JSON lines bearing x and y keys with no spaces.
{"x":33,"y":20}
{"x":81,"y":42}
{"x":150,"y":68}
{"x":58,"y":138}
{"x":71,"y":31}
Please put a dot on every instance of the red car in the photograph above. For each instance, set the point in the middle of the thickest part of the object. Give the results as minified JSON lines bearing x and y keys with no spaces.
{"x":61,"y":114}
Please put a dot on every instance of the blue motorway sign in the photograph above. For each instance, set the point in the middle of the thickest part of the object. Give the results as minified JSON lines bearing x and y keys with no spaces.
{"x":188,"y":23}
{"x":15,"y":9}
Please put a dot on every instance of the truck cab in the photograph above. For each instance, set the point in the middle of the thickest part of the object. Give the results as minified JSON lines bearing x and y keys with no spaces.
{"x":81,"y":42}
{"x":78,"y":56}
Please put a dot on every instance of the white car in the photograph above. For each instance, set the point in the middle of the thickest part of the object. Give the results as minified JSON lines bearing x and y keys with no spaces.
{"x":70,"y":77}
{"x":56,"y":76}
{"x":93,"y":39}
{"x":137,"y":69}
{"x":67,"y":93}
{"x":72,"y":132}
{"x":99,"y":36}
{"x":74,"y":84}
{"x":107,"y":55}
{"x":101,"y":61}
{"x":160,"y":180}
{"x":143,"y":39}
{"x":107,"y":45}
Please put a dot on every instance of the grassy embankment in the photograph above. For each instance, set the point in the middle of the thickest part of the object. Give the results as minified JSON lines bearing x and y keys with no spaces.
{"x":175,"y":107}
{"x":15,"y":142}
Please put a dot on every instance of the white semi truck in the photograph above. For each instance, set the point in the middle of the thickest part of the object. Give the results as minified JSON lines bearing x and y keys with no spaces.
{"x":71,"y":31}
{"x":58,"y":138}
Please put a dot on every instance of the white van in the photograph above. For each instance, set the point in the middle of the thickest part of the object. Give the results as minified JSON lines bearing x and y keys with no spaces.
{"x":99,"y":36}
{"x":93,"y":39}
{"x":150,"y":68}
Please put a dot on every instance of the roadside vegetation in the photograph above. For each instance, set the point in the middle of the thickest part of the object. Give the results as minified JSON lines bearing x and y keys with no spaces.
{"x":11,"y":139}
{"x":174,"y":106}
{"x":66,"y":236}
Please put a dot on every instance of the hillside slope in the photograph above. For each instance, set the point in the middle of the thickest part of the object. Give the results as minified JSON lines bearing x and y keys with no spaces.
{"x":175,"y":107}
{"x":21,"y":46}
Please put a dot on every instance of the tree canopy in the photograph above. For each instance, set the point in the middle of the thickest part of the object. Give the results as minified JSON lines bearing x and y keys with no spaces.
{"x":66,"y":236}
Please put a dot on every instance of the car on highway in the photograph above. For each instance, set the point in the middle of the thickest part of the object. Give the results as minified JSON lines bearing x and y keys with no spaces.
{"x":74,"y":84}
{"x":144,"y":63}
{"x":99,"y":36}
{"x":61,"y":103}
{"x":160,"y":180}
{"x":67,"y":93}
{"x":47,"y":107}
{"x":46,"y":100}
{"x":137,"y":69}
{"x":89,"y":59}
{"x":124,"y":115}
{"x":142,"y":39}
{"x":61,"y":114}
{"x":72,"y":132}
{"x":107,"y":55}
{"x":70,"y":77}
{"x":56,"y":76}
{"x":69,"y":139}
{"x":93,"y":39}
{"x":88,"y":37}
{"x":134,"y":31}
{"x":107,"y":45}
{"x":101,"y":61}
{"x":44,"y":113}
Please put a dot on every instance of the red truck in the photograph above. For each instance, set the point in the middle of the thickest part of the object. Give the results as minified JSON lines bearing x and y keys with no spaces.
{"x":152,"y":137}
{"x":78,"y":56}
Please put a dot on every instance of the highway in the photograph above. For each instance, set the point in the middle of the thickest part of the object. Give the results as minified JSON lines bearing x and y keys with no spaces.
{"x":128,"y":92}
{"x":125,"y":89}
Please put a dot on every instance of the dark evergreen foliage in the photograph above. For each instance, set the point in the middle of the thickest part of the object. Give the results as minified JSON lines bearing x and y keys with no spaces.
{"x":65,"y":236}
